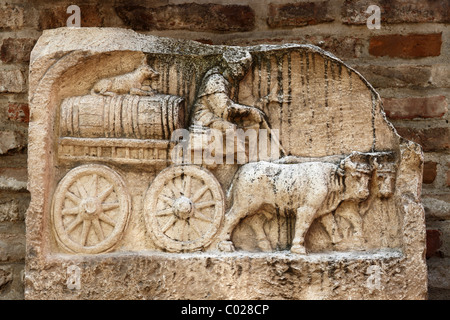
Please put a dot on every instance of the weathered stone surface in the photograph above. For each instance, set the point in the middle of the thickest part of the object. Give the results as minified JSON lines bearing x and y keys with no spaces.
{"x":328,"y":208}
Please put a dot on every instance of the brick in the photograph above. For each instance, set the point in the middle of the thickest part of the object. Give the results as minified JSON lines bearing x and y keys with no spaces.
{"x":417,"y":107}
{"x":11,"y":275}
{"x":447,"y":180}
{"x":12,"y":17}
{"x":10,"y":140}
{"x":406,"y":46}
{"x":189,"y":16}
{"x":13,"y":209}
{"x":56,"y":17}
{"x":400,"y":76}
{"x":15,"y":50}
{"x":434,"y":242}
{"x":397,"y":11}
{"x":19,"y":112}
{"x":298,"y":14}
{"x":12,"y":242}
{"x":437,"y":207}
{"x":12,"y":81}
{"x":429,"y":172}
{"x":440,"y":75}
{"x":431,"y":139}
{"x":6,"y":277}
{"x":13,"y":179}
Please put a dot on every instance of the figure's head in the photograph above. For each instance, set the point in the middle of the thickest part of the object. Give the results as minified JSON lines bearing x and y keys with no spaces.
{"x":237,"y":63}
{"x":385,"y":173}
{"x":357,"y":172}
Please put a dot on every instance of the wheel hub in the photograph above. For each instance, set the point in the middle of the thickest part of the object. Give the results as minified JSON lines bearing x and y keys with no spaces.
{"x":183,"y":207}
{"x":90,"y":208}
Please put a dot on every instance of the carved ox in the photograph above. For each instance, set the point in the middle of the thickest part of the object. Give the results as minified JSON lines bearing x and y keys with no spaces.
{"x":311,"y":189}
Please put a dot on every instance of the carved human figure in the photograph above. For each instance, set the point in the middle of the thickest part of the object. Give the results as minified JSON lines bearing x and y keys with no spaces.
{"x":214,"y":107}
{"x":312,"y":189}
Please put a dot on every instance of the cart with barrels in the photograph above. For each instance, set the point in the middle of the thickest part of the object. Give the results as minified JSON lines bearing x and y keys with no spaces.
{"x":183,"y":206}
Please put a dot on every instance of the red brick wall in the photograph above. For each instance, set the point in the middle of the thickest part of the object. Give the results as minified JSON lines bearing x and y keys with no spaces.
{"x":407,"y":60}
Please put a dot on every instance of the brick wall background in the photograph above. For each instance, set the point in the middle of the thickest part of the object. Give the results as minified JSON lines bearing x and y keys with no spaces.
{"x":407,"y":60}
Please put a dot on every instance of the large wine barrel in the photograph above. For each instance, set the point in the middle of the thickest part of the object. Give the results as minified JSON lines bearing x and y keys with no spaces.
{"x":122,"y":116}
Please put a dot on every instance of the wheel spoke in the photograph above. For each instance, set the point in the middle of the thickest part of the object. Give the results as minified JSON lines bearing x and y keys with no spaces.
{"x":81,"y":190}
{"x":110,"y":206}
{"x":73,"y":224}
{"x":70,"y":211}
{"x":166,"y":199}
{"x":105,"y":194}
{"x":199,"y":193}
{"x":94,"y":185}
{"x":107,"y":219}
{"x":164,"y":212}
{"x":174,"y":189}
{"x":73,"y":197}
{"x":98,"y":229}
{"x":170,"y":223}
{"x":199,"y":216}
{"x":196,"y":230}
{"x":85,"y":231}
{"x":187,"y":186}
{"x":183,"y":232}
{"x":205,"y":204}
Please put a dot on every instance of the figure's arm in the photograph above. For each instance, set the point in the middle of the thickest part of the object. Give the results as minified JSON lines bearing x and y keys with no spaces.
{"x":242,"y":111}
{"x":223,"y":107}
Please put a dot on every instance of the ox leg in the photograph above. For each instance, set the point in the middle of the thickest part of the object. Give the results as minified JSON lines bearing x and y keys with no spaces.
{"x":231,"y":221}
{"x":258,"y":228}
{"x":331,"y":227}
{"x":305,"y":217}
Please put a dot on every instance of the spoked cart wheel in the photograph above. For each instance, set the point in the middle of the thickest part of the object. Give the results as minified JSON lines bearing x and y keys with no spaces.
{"x":184,"y":208}
{"x":90,"y":209}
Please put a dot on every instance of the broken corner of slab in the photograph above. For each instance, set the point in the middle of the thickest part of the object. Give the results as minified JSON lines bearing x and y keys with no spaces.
{"x":169,"y":169}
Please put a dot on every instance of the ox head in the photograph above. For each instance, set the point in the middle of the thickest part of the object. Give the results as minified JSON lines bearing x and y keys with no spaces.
{"x":385,"y":172}
{"x":357,"y":172}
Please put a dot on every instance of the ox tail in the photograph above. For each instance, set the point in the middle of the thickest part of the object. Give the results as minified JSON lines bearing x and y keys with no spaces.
{"x":229,"y":198}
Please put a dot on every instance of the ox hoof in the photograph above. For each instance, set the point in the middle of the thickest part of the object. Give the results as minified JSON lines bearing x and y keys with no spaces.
{"x":298,"y":249}
{"x":265,"y":245}
{"x":226,"y":246}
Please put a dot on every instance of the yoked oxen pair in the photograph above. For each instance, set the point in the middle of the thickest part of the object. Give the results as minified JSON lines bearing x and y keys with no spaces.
{"x":310,"y":189}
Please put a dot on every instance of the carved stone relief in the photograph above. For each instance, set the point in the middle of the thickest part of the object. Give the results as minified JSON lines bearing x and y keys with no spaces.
{"x":172,"y":152}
